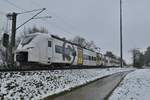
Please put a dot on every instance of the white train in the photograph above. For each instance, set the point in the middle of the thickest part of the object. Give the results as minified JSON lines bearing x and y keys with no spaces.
{"x":46,"y":49}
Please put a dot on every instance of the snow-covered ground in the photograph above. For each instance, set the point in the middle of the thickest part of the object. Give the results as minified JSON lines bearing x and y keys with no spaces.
{"x":39,"y":84}
{"x":135,"y":86}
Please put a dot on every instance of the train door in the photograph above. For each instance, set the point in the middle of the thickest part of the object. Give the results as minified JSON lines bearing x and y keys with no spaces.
{"x":80,"y":56}
{"x":97,"y":59}
{"x":49,"y":51}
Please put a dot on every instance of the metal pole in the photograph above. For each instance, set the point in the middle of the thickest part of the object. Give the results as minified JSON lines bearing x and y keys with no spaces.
{"x":121,"y":55}
{"x":13,"y":17}
{"x":13,"y":38}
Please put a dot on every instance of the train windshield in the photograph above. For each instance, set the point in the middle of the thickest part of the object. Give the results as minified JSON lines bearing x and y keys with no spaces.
{"x":27,"y":40}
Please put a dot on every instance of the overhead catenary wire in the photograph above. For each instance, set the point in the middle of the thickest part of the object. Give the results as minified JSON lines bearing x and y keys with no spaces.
{"x":13,"y":17}
{"x":18,"y":7}
{"x":43,"y":17}
{"x":31,"y":18}
{"x":14,"y":5}
{"x":30,"y":11}
{"x":66,"y":23}
{"x":58,"y":18}
{"x":25,"y":11}
{"x":47,"y":22}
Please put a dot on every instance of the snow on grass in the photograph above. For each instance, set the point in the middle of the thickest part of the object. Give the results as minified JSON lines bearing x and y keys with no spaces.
{"x":39,"y":84}
{"x":135,"y":86}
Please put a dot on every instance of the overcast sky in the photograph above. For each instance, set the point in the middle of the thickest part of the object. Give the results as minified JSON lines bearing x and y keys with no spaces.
{"x":96,"y":20}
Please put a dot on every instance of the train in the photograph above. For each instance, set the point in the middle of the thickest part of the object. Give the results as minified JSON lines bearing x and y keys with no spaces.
{"x":50,"y":50}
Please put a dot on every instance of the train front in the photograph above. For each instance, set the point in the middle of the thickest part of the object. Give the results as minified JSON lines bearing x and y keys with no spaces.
{"x":27,"y":51}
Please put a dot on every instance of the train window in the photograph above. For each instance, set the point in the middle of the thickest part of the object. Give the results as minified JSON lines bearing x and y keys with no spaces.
{"x":58,"y":49}
{"x":67,"y":51}
{"x":27,"y":40}
{"x":106,"y":61}
{"x":94,"y":58}
{"x":74,"y":53}
{"x":90,"y":58}
{"x":87,"y":57}
{"x":49,"y":44}
{"x":100,"y":58}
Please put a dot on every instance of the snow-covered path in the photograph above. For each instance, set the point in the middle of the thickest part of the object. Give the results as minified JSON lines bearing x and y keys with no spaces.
{"x":97,"y":90}
{"x":39,"y":84}
{"x":135,"y":86}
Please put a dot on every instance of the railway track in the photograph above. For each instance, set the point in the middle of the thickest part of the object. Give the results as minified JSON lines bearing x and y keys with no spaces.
{"x":34,"y":68}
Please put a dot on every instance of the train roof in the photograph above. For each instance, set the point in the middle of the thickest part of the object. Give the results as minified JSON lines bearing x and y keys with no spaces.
{"x":63,"y":39}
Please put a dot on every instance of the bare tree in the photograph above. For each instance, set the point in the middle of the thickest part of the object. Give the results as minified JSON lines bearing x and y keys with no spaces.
{"x":43,"y":30}
{"x":138,"y":58}
{"x":32,"y":30}
{"x":80,"y":41}
{"x":110,"y":54}
{"x":84,"y":43}
{"x":147,"y":57}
